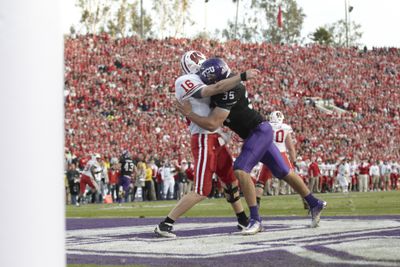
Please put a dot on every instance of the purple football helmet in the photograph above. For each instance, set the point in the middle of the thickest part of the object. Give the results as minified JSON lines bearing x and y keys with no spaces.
{"x":213,"y":70}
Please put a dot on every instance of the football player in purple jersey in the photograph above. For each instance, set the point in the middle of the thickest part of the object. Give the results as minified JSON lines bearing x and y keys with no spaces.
{"x":232,"y":109}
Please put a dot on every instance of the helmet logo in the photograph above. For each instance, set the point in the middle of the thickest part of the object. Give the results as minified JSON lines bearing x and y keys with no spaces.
{"x":196,"y":57}
{"x":209,"y":73}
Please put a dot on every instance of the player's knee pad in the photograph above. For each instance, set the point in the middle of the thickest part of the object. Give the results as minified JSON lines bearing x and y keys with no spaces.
{"x":231,"y":193}
{"x":260,"y":185}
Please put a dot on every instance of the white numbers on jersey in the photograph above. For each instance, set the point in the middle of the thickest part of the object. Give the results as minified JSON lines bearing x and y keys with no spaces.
{"x":128,"y":166}
{"x":229,"y":95}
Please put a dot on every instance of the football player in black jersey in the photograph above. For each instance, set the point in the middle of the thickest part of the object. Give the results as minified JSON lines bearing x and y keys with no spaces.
{"x":125,"y":179}
{"x":233,"y":110}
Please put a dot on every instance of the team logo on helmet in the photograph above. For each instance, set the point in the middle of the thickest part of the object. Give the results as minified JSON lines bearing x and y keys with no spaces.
{"x":213,"y":70}
{"x":276,"y":117}
{"x":191,"y":61}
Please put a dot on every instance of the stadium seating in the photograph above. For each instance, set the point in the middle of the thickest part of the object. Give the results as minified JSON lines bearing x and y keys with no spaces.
{"x":120,"y":94}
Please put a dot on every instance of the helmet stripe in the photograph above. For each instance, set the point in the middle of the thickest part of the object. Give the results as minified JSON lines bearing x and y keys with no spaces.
{"x":183,"y":64}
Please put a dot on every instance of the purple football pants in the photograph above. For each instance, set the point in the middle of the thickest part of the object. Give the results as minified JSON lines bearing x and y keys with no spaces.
{"x":259,"y":147}
{"x":125,"y":181}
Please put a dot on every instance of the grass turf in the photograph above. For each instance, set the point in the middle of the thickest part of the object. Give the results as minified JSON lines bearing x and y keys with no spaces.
{"x":352,"y":204}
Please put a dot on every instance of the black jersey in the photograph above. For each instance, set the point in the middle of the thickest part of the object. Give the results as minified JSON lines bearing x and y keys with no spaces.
{"x":242,"y":118}
{"x":127,"y":166}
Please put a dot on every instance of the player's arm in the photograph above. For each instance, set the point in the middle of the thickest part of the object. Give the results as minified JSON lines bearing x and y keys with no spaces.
{"x":229,"y":83}
{"x":210,"y":123}
{"x":290,"y":148}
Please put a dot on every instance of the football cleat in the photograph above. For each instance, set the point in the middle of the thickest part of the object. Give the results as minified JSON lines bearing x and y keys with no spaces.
{"x":316,"y":212}
{"x":164,"y":230}
{"x":241,"y":227}
{"x":253,"y":227}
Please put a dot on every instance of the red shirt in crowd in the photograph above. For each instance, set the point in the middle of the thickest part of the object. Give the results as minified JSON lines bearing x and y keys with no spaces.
{"x":113,"y":176}
{"x":313,"y":170}
{"x":364,"y":169}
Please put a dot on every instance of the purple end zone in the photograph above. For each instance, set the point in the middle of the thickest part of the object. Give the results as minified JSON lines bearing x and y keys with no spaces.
{"x":272,"y":257}
{"x":269,"y":258}
{"x":93,"y":223}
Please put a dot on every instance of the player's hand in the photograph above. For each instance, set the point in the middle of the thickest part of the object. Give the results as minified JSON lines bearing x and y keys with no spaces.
{"x":184,"y":107}
{"x":252,"y":73}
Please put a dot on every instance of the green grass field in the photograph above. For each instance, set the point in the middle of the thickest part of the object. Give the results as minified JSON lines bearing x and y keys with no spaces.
{"x":352,"y":204}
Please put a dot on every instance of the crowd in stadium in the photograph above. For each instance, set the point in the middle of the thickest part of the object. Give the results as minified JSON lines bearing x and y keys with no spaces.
{"x":150,"y":184}
{"x":119,"y":94}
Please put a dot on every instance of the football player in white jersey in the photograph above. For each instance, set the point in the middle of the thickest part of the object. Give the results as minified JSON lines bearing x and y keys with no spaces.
{"x":210,"y":156}
{"x":283,"y":141}
{"x":386,"y":169}
{"x":343,"y":175}
{"x":394,"y":174}
{"x":353,"y":175}
{"x":301,"y":167}
{"x":89,"y":176}
{"x":324,"y":175}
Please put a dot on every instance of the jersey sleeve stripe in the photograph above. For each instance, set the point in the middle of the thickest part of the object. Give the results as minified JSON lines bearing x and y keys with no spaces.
{"x":193,"y":90}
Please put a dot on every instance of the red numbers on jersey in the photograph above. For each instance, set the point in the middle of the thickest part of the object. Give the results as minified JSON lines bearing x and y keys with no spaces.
{"x":279,"y":136}
{"x":187,"y":85}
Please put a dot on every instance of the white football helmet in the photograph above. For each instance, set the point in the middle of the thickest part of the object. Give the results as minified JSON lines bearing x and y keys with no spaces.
{"x":191,"y":61}
{"x":276,"y":117}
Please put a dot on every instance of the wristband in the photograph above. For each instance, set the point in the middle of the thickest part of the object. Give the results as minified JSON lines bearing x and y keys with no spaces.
{"x":243,"y":76}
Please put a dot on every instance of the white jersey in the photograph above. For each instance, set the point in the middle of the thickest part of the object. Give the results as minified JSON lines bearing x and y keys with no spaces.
{"x":395,"y":167}
{"x":374,"y":170}
{"x":344,"y":169}
{"x":331,"y":169}
{"x":302,"y":168}
{"x":387,"y":168}
{"x":353,"y":168}
{"x":185,"y":87}
{"x":97,"y":169}
{"x":323,"y":168}
{"x":281,"y":131}
{"x":166,"y":173}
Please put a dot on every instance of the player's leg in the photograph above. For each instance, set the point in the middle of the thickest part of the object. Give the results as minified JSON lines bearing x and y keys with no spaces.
{"x":82,"y":188}
{"x":172,"y":188}
{"x":387,"y":180}
{"x":263,"y":177}
{"x":204,"y":162}
{"x":229,"y":182}
{"x":275,"y":162}
{"x":253,"y":150}
{"x":392,"y":181}
{"x":165,"y":190}
{"x":123,"y":185}
{"x":311,"y":185}
{"x":360,"y":182}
